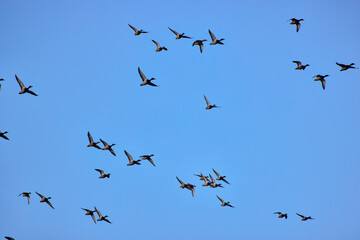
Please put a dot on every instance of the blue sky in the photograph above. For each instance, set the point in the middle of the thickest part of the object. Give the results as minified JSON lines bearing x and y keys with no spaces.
{"x":283,"y":143}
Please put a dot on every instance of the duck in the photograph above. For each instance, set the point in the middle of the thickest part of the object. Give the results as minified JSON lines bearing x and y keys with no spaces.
{"x":303,"y":218}
{"x":148,"y":157}
{"x":208,"y":105}
{"x":102,"y":174}
{"x":2,"y":135}
{"x":213,"y":184}
{"x":44,"y":199}
{"x":158,"y":46}
{"x":131,"y":160}
{"x":321,"y":79}
{"x":108,"y":147}
{"x":101,"y":217}
{"x":92,"y":143}
{"x":178,"y":36}
{"x":189,"y":186}
{"x":206,"y":181}
{"x":91,"y":213}
{"x":137,"y":32}
{"x":346,"y":67}
{"x":281,"y":215}
{"x":219,"y":177}
{"x":23,"y":88}
{"x":223,"y":203}
{"x":297,"y":22}
{"x":214,"y":40}
{"x":26,"y":194}
{"x":200,"y":44}
{"x":146,"y":81}
{"x":201,"y":176}
{"x":300,"y":66}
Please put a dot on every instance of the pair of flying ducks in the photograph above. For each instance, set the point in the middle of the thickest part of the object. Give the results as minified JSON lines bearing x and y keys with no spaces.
{"x":91,"y":213}
{"x":137,"y":162}
{"x":43,"y":199}
{"x":106,"y":146}
{"x":284,"y":215}
{"x":212,"y":183}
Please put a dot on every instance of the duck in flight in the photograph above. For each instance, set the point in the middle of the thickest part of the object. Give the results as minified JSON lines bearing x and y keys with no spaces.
{"x":2,"y":135}
{"x":346,"y":67}
{"x":187,"y":186}
{"x":44,"y":199}
{"x":91,"y":213}
{"x":303,"y":218}
{"x":178,"y":36}
{"x":108,"y":147}
{"x":213,"y":183}
{"x":208,"y":105}
{"x":148,"y":157}
{"x":131,"y":160}
{"x":23,"y":88}
{"x":219,"y":177}
{"x":206,"y":181}
{"x":101,"y":217}
{"x":223,"y":203}
{"x":281,"y":215}
{"x":26,"y":194}
{"x":102,"y":174}
{"x":296,"y":22}
{"x":321,"y":79}
{"x":300,"y":66}
{"x":214,"y":40}
{"x":200,"y":44}
{"x":146,"y":81}
{"x":137,"y":32}
{"x":158,"y":46}
{"x":92,"y":143}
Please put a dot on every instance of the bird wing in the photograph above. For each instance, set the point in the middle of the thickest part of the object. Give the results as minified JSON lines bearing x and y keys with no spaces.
{"x":150,"y":160}
{"x":339,"y":64}
{"x":297,"y":62}
{"x":20,"y":82}
{"x":277,"y":212}
{"x":152,"y":84}
{"x":133,"y":28}
{"x":49,"y":204}
{"x":157,"y":44}
{"x":97,"y":211}
{"x":100,"y":171}
{"x":40,"y":195}
{"x":86,"y":209}
{"x":212,"y":36}
{"x":181,"y":182}
{"x":103,"y":142}
{"x":0,"y":87}
{"x":217,"y":174}
{"x":300,"y":215}
{"x":142,"y":75}
{"x":176,"y":33}
{"x":193,"y":191}
{"x":183,"y":36}
{"x":212,"y":179}
{"x":219,"y":198}
{"x":131,"y":160}
{"x":90,"y":138}
{"x":323,"y":82}
{"x":112,"y":151}
{"x":207,"y":101}
{"x":201,"y":47}
{"x":93,"y":217}
{"x":297,"y":27}
{"x":31,"y":92}
{"x":28,"y":198}
{"x":107,"y":220}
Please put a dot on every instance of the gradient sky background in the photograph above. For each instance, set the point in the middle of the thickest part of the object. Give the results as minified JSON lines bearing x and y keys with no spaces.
{"x":283,"y":143}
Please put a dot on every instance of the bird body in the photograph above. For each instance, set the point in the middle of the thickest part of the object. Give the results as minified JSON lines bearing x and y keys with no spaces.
{"x":281,"y":215}
{"x":223,"y":203}
{"x":321,"y":79}
{"x":148,"y":157}
{"x":131,"y":160}
{"x":145,"y":81}
{"x":91,"y":142}
{"x":303,"y":218}
{"x":189,"y":186}
{"x":219,"y":177}
{"x":346,"y":67}
{"x":23,"y":88}
{"x":102,"y":174}
{"x":214,"y":184}
{"x":108,"y":147}
{"x":200,"y":44}
{"x":26,"y":194}
{"x":178,"y":36}
{"x":44,"y":199}
{"x":91,"y":213}
{"x":300,"y":66}
{"x":296,"y":22}
{"x":101,"y":217}
{"x":137,"y":32}
{"x":214,"y":40}
{"x":208,"y":105}
{"x":158,"y":47}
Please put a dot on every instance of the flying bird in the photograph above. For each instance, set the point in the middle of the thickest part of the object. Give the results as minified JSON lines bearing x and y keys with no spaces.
{"x":219,"y":177}
{"x":92,"y":143}
{"x":208,"y":105}
{"x":137,"y":32}
{"x":223,"y":203}
{"x":187,"y":186}
{"x":178,"y":36}
{"x":44,"y":199}
{"x":23,"y":88}
{"x":206,"y":181}
{"x":303,"y":218}
{"x":214,"y":40}
{"x":346,"y":67}
{"x":321,"y":79}
{"x":108,"y":147}
{"x":281,"y":215}
{"x":148,"y":157}
{"x":213,"y":184}
{"x":200,"y":44}
{"x":146,"y":81}
{"x":297,"y":22}
{"x":131,"y":160}
{"x":158,"y":46}
{"x":91,"y":213}
{"x":102,"y":174}
{"x":101,"y":217}
{"x":26,"y":194}
{"x":300,"y":66}
{"x":2,"y":135}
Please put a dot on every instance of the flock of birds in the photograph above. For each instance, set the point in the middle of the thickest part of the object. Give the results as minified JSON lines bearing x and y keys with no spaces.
{"x":145,"y":81}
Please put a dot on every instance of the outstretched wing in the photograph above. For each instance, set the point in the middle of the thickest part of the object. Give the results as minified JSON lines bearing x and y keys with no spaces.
{"x":212,"y":36}
{"x":103,"y":142}
{"x":131,"y":160}
{"x":212,"y":179}
{"x":152,"y":84}
{"x":31,"y":92}
{"x":181,"y":182}
{"x":157,"y":44}
{"x":133,"y":28}
{"x":100,"y":171}
{"x":339,"y":64}
{"x":297,"y":27}
{"x":207,"y":101}
{"x":176,"y":33}
{"x":141,"y":74}
{"x":20,"y":82}
{"x":112,"y":151}
{"x":219,"y":198}
{"x":50,"y":204}
{"x":40,"y":195}
{"x":323,"y":82}
{"x":277,"y":212}
{"x":297,"y":62}
{"x":217,"y":174}
{"x":300,"y":215}
{"x":97,"y":211}
{"x":90,"y":138}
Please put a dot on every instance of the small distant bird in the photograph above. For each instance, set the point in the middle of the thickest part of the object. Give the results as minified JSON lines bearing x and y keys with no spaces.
{"x":102,"y":174}
{"x":137,"y":32}
{"x":1,"y":79}
{"x":206,"y":181}
{"x":200,"y":44}
{"x":219,"y":177}
{"x":146,"y":81}
{"x":10,"y":238}
{"x":223,"y":203}
{"x":44,"y":199}
{"x":2,"y":134}
{"x":281,"y":215}
{"x":91,"y":213}
{"x":214,"y":40}
{"x":300,"y":66}
{"x":148,"y":157}
{"x":26,"y":194}
{"x":213,"y":184}
{"x":209,"y":106}
{"x":201,"y":176}
{"x":108,"y":147}
{"x":297,"y":22}
{"x":187,"y":186}
{"x":321,"y":79}
{"x":346,"y":67}
{"x":92,"y":143}
{"x":303,"y":218}
{"x":101,"y":218}
{"x":178,"y":36}
{"x":23,"y":88}
{"x":131,"y":160}
{"x":158,"y":46}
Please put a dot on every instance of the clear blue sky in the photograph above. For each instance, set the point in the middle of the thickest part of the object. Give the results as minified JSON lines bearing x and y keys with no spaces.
{"x":283,"y":143}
